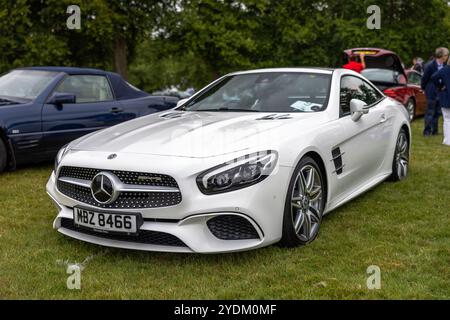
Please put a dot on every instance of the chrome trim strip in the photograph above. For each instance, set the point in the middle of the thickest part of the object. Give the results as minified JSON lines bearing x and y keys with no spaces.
{"x":120,"y":187}
{"x":225,"y":213}
{"x":139,"y":188}
{"x":75,"y":181}
{"x":340,"y":168}
{"x":338,"y":156}
{"x":58,"y":206}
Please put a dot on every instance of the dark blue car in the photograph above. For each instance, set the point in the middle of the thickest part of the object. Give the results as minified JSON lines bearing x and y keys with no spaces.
{"x":44,"y":108}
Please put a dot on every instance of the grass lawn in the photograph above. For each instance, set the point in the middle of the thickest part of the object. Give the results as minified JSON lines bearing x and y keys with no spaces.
{"x":404,"y":228}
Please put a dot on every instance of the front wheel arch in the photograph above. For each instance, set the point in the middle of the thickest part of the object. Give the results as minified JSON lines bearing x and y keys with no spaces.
{"x":289,"y":237}
{"x":408,"y":134}
{"x":10,"y":158}
{"x":322,"y":168}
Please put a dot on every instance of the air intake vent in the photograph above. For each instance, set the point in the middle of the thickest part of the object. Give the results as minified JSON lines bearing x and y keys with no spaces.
{"x":276,"y":117}
{"x":144,"y":236}
{"x":232,"y":227}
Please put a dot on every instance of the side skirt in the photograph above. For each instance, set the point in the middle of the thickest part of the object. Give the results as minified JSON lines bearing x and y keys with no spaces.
{"x":360,"y":190}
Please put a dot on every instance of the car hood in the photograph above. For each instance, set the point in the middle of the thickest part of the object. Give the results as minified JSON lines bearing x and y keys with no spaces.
{"x":193,"y":134}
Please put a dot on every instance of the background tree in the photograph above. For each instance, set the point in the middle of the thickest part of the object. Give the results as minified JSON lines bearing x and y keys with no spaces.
{"x":110,"y":32}
{"x":191,"y":42}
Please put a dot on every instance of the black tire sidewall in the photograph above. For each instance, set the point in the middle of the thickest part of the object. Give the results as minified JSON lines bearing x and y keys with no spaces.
{"x":3,"y":156}
{"x":289,"y":237}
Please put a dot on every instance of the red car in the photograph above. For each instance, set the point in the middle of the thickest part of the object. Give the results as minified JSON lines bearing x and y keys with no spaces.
{"x":385,"y":70}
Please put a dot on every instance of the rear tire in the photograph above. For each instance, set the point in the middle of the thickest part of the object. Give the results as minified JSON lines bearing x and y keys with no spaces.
{"x":3,"y":156}
{"x":411,"y":108}
{"x":400,"y":163}
{"x":305,"y":202}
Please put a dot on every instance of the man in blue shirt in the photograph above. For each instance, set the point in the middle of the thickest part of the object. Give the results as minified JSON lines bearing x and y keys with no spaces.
{"x":441,"y":80}
{"x":433,"y":112}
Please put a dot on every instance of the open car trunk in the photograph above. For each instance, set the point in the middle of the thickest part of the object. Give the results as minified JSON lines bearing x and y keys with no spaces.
{"x":377,"y":59}
{"x":383,"y":68}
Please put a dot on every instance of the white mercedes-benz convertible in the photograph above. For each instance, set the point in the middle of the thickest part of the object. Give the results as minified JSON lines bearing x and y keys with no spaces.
{"x":255,"y":158}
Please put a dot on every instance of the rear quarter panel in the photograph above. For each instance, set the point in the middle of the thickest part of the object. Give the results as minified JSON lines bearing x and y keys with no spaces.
{"x":420,"y":99}
{"x":398,"y":117}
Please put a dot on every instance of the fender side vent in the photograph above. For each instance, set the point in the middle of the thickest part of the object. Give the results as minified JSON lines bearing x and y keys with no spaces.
{"x":337,"y":160}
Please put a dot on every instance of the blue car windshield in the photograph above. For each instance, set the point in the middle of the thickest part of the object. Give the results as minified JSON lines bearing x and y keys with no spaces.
{"x":26,"y":84}
{"x":266,"y":92}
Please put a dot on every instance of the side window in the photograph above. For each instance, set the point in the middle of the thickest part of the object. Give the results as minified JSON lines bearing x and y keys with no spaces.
{"x":414,"y":78}
{"x":87,"y":88}
{"x":356,"y":88}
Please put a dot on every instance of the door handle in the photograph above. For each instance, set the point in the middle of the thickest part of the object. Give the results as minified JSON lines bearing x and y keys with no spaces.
{"x":116,"y":110}
{"x":383,"y":118}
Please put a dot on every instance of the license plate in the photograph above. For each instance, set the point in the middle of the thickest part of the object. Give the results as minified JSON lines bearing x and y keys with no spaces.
{"x":107,"y":222}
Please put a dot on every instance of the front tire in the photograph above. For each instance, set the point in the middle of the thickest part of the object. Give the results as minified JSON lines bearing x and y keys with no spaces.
{"x":400,"y":163}
{"x":305,"y":202}
{"x":3,"y":156}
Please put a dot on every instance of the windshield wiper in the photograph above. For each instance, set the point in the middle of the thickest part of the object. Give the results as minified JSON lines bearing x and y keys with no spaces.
{"x":7,"y":100}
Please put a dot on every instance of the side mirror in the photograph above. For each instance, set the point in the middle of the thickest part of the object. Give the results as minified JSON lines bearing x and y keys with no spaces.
{"x":181,"y":102}
{"x":357,"y":109}
{"x":62,"y":98}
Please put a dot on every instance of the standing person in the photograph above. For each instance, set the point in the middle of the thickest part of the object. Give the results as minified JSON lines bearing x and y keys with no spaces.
{"x":433,"y":110}
{"x":356,"y":63}
{"x":417,"y":65}
{"x":441,"y":80}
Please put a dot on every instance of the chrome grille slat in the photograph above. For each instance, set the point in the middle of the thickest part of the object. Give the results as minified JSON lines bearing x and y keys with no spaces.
{"x":127,"y":177}
{"x":122,"y":187}
{"x":154,"y":191}
{"x":75,"y":181}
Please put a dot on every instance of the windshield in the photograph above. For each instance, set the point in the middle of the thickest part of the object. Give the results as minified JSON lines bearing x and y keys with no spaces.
{"x":26,"y":84}
{"x":266,"y":92}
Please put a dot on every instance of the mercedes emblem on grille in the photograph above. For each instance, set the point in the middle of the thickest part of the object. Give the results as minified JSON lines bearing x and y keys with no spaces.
{"x":103,"y":188}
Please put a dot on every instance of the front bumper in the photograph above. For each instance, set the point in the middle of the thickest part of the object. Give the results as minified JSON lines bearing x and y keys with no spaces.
{"x":261,"y":205}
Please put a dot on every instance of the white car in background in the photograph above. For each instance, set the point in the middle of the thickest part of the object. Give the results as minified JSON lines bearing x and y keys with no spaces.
{"x":253,"y":159}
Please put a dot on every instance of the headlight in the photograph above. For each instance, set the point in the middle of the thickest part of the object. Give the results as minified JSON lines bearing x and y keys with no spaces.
{"x":61,"y":153}
{"x":238,"y":173}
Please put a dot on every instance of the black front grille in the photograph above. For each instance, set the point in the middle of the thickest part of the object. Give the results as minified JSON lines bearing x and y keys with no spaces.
{"x":232,"y":227}
{"x":126,"y":200}
{"x":127,"y":177}
{"x":144,"y":236}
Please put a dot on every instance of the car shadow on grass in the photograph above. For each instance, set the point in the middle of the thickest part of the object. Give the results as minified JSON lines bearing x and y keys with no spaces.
{"x":24,"y":168}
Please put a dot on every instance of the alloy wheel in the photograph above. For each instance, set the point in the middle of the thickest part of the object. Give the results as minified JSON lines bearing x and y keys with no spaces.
{"x":411,"y":110}
{"x":306,"y":203}
{"x":402,"y":156}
